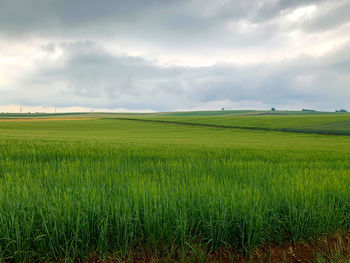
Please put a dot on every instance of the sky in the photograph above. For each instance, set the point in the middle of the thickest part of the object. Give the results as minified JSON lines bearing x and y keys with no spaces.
{"x":171,"y":55}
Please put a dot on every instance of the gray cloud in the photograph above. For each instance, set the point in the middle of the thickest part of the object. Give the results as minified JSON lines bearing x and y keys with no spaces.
{"x":86,"y":73}
{"x":89,"y":76}
{"x":332,"y":14}
{"x":187,"y":22}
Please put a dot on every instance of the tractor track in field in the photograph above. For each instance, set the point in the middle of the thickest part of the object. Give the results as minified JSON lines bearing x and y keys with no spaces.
{"x":290,"y":130}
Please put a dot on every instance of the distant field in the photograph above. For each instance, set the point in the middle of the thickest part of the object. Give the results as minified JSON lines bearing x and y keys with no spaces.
{"x":37,"y":115}
{"x":240,"y":113}
{"x":334,"y":127}
{"x":85,"y":189}
{"x":322,"y":124}
{"x":170,"y":114}
{"x":209,"y":113}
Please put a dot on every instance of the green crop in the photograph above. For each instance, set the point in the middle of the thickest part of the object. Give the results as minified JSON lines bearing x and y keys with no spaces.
{"x":338,"y":124}
{"x":70,"y":189}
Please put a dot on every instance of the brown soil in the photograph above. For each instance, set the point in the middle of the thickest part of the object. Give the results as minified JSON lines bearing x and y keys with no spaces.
{"x":327,"y":249}
{"x":45,"y":119}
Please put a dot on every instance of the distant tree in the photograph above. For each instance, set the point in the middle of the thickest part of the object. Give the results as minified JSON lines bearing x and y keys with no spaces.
{"x":273,"y":109}
{"x":307,"y":110}
{"x":341,"y":110}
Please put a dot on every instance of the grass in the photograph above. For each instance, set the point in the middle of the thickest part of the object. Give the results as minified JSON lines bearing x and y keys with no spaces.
{"x":242,"y":113}
{"x":338,"y":124}
{"x":75,"y":189}
{"x":340,"y":127}
{"x":208,"y":113}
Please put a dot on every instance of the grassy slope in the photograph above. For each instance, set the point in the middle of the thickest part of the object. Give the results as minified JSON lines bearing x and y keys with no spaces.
{"x":332,"y":124}
{"x":168,"y":114}
{"x":125,"y":131}
{"x":240,"y":113}
{"x":70,"y":188}
{"x":208,"y":113}
{"x":307,"y":122}
{"x":340,"y":126}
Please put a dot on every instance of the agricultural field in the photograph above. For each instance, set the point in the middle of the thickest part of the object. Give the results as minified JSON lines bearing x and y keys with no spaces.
{"x":201,"y":187}
{"x":287,"y":122}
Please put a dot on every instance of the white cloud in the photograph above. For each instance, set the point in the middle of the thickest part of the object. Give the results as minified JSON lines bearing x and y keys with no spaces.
{"x":167,"y":55}
{"x":301,"y":13}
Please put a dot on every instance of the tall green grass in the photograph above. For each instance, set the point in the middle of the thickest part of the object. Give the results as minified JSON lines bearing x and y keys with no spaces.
{"x":67,"y":198}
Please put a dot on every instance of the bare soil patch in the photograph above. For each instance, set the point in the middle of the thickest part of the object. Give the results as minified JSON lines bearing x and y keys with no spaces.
{"x":45,"y":119}
{"x":333,"y":248}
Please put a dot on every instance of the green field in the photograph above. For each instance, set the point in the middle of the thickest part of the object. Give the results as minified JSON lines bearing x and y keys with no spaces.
{"x":107,"y":187}
{"x":336,"y":124}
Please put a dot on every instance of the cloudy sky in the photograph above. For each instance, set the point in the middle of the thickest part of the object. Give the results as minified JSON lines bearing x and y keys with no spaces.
{"x":164,"y":55}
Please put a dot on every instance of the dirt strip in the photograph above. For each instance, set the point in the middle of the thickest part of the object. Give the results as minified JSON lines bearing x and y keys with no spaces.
{"x":333,"y":248}
{"x":46,"y":119}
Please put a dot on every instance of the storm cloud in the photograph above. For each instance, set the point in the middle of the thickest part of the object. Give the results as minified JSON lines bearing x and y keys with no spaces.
{"x":170,"y":55}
